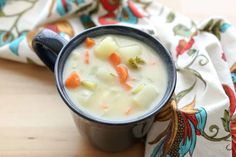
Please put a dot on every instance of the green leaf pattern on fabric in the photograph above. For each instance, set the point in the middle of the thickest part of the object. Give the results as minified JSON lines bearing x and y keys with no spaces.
{"x":214,"y":27}
{"x":170,"y":17}
{"x":182,"y":30}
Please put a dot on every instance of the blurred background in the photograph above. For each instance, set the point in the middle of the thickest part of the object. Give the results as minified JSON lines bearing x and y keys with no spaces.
{"x":202,"y":9}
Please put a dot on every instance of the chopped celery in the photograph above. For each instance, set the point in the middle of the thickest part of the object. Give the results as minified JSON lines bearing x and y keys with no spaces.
{"x":137,"y":89}
{"x":89,"y":85}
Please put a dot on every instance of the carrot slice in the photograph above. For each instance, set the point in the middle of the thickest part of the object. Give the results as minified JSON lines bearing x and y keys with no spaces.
{"x":73,"y":81}
{"x":89,"y":42}
{"x":104,"y":106}
{"x":114,"y":59}
{"x":126,"y":86}
{"x":122,"y":71}
{"x":86,"y":57}
{"x":129,"y":110}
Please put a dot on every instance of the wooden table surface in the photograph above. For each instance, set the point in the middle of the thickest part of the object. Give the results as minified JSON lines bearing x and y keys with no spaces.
{"x":34,"y":121}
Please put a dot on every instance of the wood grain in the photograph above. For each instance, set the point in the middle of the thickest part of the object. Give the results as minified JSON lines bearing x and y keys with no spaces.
{"x":34,"y":122}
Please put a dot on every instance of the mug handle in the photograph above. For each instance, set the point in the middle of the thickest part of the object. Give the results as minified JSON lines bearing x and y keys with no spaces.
{"x":47,"y":45}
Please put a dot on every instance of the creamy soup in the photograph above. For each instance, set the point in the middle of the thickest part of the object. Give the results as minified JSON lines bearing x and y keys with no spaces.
{"x":115,"y":77}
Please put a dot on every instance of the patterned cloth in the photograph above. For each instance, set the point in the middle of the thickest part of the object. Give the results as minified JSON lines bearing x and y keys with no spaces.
{"x":199,"y":121}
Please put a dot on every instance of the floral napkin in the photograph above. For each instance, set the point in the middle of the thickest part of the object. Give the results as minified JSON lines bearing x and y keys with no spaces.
{"x":199,"y":121}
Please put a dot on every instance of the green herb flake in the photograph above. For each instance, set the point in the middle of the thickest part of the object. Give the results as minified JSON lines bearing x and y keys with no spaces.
{"x":112,"y":74}
{"x":133,"y":63}
{"x":139,"y":60}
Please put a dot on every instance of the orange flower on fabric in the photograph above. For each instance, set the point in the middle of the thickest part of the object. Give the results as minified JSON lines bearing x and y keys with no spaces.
{"x":183,"y":46}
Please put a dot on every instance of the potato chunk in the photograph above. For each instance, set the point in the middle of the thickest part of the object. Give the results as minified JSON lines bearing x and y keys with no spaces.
{"x":146,"y":96}
{"x":84,"y":97}
{"x":106,"y":75}
{"x":106,"y":47}
{"x":129,"y":52}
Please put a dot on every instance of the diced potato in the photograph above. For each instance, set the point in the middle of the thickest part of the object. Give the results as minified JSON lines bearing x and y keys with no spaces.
{"x":129,"y":52}
{"x":93,"y":70}
{"x":74,"y":64}
{"x":146,"y":96}
{"x":115,"y":90}
{"x":75,"y":55}
{"x":105,"y":75}
{"x":89,"y":85}
{"x":95,"y":98}
{"x":106,"y":94}
{"x":106,"y":48}
{"x":84,"y":97}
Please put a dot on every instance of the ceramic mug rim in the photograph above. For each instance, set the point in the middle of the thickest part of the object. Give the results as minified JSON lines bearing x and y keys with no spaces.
{"x":75,"y":109}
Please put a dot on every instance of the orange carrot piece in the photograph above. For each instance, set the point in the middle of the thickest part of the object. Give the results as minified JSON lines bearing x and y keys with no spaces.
{"x":114,"y":59}
{"x":126,"y":86}
{"x":129,"y":110}
{"x":86,"y":57}
{"x":122,"y":71}
{"x":89,"y":42}
{"x":73,"y":81}
{"x":104,"y":106}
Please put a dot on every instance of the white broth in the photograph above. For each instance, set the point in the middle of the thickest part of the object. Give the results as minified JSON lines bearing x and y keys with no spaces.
{"x":114,"y":77}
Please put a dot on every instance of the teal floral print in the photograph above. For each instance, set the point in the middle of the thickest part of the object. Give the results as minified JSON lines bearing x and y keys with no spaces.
{"x":224,"y":27}
{"x":181,"y":135}
{"x":2,"y":3}
{"x":127,"y":16}
{"x":65,"y":6}
{"x":14,"y":45}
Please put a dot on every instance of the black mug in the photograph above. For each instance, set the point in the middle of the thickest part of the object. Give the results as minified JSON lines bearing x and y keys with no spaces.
{"x":53,"y":50}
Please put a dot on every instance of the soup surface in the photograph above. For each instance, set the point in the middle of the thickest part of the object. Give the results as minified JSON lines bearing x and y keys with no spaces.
{"x":114,"y":77}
